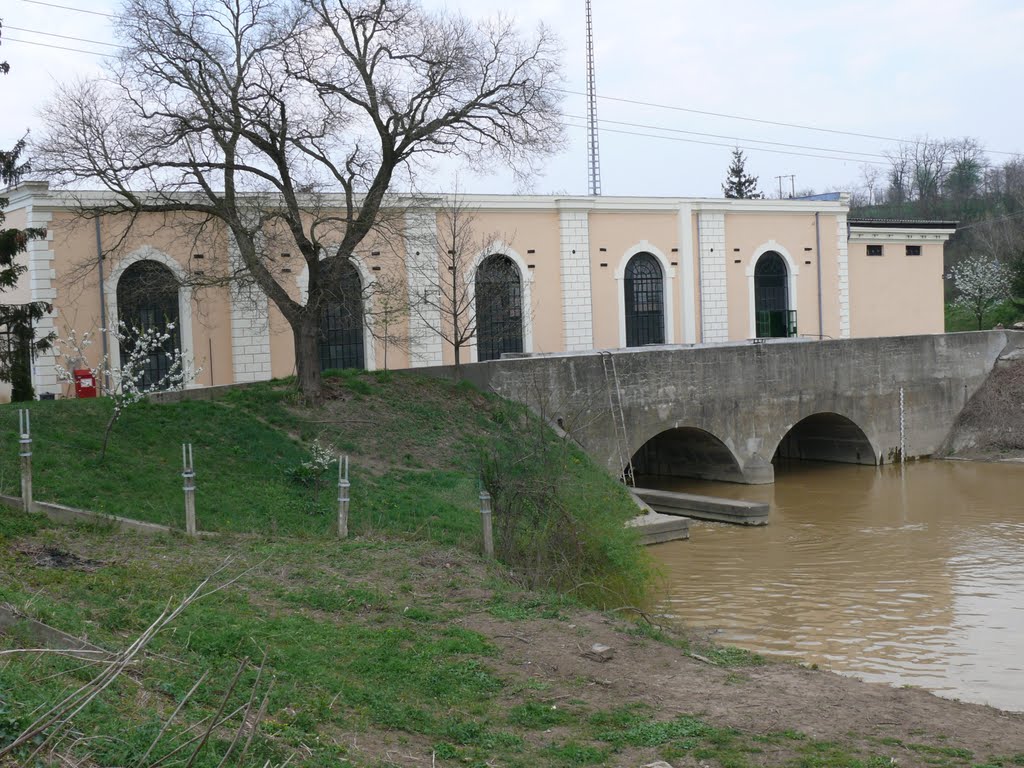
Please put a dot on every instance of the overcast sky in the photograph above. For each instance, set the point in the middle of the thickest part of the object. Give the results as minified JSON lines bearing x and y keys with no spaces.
{"x":890,"y":68}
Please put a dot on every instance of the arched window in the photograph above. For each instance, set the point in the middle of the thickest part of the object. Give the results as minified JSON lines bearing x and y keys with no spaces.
{"x":147,"y":299}
{"x":341,"y":324}
{"x":645,"y":301}
{"x":499,"y":308}
{"x":771,"y":297}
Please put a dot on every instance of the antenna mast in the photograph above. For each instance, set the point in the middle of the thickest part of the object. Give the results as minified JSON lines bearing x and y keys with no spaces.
{"x":593,"y":153}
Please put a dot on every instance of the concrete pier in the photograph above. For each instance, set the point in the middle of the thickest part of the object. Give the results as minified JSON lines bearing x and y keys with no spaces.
{"x":656,"y":528}
{"x":705,"y":507}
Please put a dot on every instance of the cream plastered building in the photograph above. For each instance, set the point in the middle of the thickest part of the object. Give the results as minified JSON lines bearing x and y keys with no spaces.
{"x":562,"y":273}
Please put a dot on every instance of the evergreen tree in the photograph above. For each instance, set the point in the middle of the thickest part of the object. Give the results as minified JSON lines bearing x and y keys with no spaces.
{"x":17,"y":333}
{"x":738,"y":183}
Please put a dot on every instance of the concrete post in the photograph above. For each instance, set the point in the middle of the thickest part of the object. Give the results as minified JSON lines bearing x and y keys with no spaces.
{"x":485,"y":519}
{"x":188,"y":474}
{"x":25,"y":428}
{"x":343,"y":497}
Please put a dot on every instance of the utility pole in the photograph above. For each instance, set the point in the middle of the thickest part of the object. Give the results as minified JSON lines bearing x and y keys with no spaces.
{"x":792,"y":184}
{"x":593,"y":153}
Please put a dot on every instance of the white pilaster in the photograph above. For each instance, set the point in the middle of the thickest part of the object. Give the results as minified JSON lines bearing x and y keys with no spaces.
{"x":714,"y":306}
{"x":577,"y":304}
{"x":842,"y":249}
{"x":250,"y":327}
{"x":687,"y":286}
{"x":422,"y":265}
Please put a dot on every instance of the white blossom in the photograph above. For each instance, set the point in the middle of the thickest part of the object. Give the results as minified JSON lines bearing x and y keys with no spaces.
{"x":982,"y":283}
{"x":321,"y":457}
{"x":126,"y":383}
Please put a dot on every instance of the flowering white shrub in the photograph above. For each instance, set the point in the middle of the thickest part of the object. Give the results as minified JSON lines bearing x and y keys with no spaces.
{"x":313,"y":471}
{"x":127,"y":383}
{"x":982,"y":283}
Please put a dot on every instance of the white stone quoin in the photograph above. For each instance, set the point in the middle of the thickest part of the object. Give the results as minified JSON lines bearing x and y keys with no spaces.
{"x":714,"y":308}
{"x":843,"y":251}
{"x":425,"y":344}
{"x":41,"y":275}
{"x":577,"y":302}
{"x":250,"y":328}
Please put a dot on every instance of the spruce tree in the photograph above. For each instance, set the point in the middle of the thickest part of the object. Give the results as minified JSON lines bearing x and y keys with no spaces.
{"x":18,"y":344}
{"x":738,"y":183}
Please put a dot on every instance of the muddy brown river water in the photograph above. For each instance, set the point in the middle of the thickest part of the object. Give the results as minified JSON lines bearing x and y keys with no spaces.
{"x":910,"y":576}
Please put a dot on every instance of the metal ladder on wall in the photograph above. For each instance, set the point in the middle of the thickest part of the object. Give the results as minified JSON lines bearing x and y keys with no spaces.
{"x":618,"y":418}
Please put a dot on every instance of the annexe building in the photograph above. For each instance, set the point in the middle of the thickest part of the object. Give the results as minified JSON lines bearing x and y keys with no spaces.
{"x":553,"y":274}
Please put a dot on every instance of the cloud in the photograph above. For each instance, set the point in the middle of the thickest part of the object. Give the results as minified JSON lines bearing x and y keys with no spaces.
{"x":894,"y":68}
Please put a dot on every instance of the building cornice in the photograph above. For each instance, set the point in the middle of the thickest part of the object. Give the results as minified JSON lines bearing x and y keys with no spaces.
{"x":39,"y":194}
{"x":903,"y":234}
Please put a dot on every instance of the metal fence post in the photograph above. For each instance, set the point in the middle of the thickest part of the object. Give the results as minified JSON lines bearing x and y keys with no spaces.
{"x":343,"y":497}
{"x":25,"y":428}
{"x":485,"y":519}
{"x":188,"y":474}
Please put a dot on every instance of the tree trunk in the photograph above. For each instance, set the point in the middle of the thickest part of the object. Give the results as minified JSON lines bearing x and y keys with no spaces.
{"x":307,"y":360}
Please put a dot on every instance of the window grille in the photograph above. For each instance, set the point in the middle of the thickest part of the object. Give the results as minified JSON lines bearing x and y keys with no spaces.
{"x":147,"y":299}
{"x":644,"y":286}
{"x":341,"y":324}
{"x":771,"y":297}
{"x":499,"y":308}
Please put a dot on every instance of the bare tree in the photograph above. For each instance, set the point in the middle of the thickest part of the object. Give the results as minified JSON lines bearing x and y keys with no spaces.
{"x":298,"y":119}
{"x":930,"y":167}
{"x":870,"y":174}
{"x":388,"y":312}
{"x":900,"y":175}
{"x":446,"y":302}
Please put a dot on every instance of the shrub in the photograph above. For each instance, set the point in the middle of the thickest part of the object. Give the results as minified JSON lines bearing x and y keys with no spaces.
{"x":556,"y":525}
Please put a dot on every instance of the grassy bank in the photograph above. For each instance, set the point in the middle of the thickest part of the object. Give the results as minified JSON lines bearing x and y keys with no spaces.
{"x":382,"y":651}
{"x":418,"y":447}
{"x":959,"y":319}
{"x":399,"y":645}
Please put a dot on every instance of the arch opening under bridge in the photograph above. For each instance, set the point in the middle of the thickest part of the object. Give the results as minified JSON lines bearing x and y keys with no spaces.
{"x":687,"y":452}
{"x":829,"y":437}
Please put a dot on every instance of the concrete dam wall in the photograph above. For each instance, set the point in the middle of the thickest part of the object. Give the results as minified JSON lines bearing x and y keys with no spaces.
{"x":725,"y":411}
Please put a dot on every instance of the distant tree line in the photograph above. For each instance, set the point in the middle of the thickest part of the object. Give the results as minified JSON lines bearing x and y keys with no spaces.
{"x":957,"y":180}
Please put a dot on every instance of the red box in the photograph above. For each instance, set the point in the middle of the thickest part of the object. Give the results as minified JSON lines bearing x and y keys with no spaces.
{"x":85,"y":383}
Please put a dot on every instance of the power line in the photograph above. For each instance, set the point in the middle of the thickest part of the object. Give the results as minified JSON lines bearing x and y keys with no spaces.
{"x":65,"y":37}
{"x":759,"y":120}
{"x":602,"y":129}
{"x":58,"y":47}
{"x":996,"y":220}
{"x":730,"y":146}
{"x":735,"y":138}
{"x":574,"y":93}
{"x":70,"y":8}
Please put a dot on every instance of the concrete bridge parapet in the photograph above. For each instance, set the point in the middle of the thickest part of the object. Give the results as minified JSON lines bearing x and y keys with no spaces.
{"x":723,"y":411}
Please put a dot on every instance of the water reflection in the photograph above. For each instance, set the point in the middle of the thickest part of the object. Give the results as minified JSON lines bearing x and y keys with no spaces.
{"x":908,"y":576}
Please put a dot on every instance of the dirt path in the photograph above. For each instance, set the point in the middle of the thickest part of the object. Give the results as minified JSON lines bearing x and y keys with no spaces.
{"x":774,"y":697}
